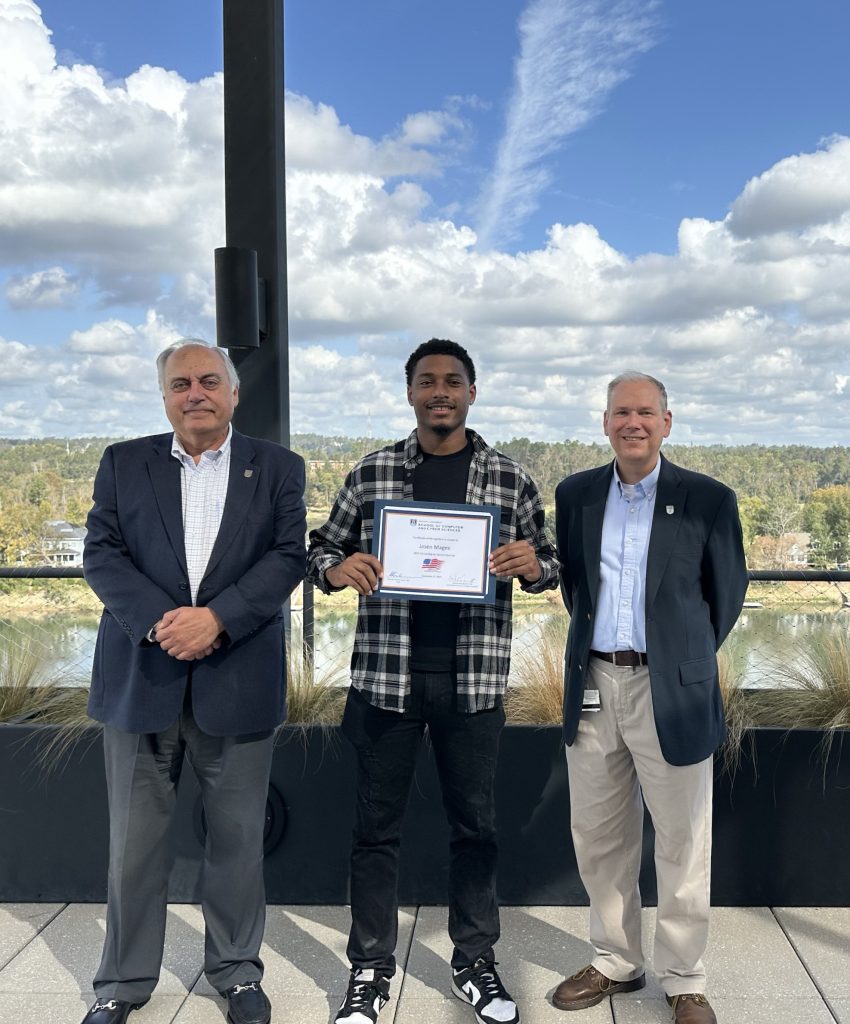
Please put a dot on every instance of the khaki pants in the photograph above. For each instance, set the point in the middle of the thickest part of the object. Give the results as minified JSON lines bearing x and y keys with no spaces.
{"x":614,"y":765}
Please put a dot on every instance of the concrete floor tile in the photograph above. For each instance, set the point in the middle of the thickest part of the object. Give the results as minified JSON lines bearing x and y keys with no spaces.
{"x":68,"y":1008}
{"x":295,"y":1009}
{"x":745,"y":943}
{"x":305,"y":961}
{"x":210,"y":1009}
{"x":763,"y":1010}
{"x":20,"y":923}
{"x":821,"y":936}
{"x":841,"y":1009}
{"x":538,"y":948}
{"x":64,"y":956}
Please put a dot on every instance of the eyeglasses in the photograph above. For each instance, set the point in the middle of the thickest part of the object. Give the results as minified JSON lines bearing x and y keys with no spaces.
{"x":209,"y":382}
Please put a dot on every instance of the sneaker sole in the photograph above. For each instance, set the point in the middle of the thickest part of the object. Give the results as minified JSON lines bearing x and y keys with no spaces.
{"x":584,"y":1004}
{"x":465,"y":998}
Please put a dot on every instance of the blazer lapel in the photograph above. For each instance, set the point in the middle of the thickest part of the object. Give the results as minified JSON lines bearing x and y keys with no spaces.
{"x":667,"y":518}
{"x":164,"y":474}
{"x":241,"y":485}
{"x":592,"y":514}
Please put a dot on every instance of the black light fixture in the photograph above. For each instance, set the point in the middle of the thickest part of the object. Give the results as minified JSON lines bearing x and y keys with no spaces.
{"x":240,"y":299}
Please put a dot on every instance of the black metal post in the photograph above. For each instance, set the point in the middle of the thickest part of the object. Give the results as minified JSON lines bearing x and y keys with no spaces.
{"x":308,"y":629}
{"x":255,"y":207}
{"x":255,"y":200}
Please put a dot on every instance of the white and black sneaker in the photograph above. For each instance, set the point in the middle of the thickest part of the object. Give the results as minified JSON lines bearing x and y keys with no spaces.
{"x":481,"y":987}
{"x":368,"y":993}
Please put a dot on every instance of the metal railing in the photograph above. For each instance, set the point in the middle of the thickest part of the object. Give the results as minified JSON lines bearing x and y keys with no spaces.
{"x":785,"y":611}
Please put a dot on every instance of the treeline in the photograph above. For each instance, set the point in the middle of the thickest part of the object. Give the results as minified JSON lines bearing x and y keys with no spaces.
{"x":40,"y":480}
{"x":783,"y":490}
{"x":752,"y":471}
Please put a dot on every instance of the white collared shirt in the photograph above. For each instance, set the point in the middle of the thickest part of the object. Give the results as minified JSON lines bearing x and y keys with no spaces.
{"x":620,"y":623}
{"x":204,"y":490}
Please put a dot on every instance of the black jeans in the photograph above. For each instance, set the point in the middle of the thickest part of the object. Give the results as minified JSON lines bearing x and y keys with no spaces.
{"x":465,"y":750}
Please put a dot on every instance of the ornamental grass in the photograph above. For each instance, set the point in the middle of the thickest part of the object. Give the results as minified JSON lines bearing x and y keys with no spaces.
{"x":536,"y":693}
{"x":314,"y":697}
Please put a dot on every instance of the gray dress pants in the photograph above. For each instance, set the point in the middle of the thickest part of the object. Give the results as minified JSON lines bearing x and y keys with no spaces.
{"x":142,"y":771}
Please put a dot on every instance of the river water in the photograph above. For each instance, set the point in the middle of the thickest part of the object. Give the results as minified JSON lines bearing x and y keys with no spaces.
{"x":764,"y":645}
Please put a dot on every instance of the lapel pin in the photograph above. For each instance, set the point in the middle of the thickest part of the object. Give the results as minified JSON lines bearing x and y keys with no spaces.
{"x":250,"y":473}
{"x":670,"y":510}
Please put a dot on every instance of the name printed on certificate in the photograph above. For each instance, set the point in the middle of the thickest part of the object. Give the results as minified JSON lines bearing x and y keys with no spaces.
{"x":434,"y":551}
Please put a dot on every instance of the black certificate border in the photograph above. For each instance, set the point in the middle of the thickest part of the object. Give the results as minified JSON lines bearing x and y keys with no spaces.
{"x":490,"y":512}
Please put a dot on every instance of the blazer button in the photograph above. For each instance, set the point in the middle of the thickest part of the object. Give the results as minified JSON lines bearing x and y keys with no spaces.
{"x":184,"y":586}
{"x":588,"y":616}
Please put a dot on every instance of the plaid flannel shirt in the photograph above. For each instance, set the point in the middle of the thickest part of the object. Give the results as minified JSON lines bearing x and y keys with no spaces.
{"x":380,"y":662}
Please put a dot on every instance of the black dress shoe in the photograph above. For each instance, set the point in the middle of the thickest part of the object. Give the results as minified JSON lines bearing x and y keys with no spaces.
{"x":111,"y":1011}
{"x":248,"y":1004}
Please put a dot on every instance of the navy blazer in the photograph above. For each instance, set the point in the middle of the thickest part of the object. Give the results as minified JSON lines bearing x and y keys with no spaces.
{"x":696,"y":579}
{"x":135,"y":561}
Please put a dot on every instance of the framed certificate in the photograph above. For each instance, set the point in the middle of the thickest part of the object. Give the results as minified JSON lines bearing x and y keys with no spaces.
{"x":433,"y":551}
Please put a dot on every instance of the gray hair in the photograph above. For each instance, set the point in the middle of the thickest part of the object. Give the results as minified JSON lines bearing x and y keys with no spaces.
{"x":629,"y":376}
{"x":166,"y":354}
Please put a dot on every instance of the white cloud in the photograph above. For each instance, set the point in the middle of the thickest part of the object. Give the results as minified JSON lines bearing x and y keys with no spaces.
{"x":122,"y":180}
{"x":803,"y":191}
{"x":316,"y":140}
{"x":572,"y":55}
{"x":101,"y":381}
{"x":119,"y":184}
{"x":108,"y":338}
{"x":53,"y":288}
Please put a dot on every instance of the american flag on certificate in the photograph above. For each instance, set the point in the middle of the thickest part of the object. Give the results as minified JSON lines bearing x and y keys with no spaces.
{"x":432,"y":563}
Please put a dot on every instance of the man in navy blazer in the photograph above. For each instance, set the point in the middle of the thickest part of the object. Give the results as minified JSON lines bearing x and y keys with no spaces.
{"x":654,"y":576}
{"x":194,"y":542}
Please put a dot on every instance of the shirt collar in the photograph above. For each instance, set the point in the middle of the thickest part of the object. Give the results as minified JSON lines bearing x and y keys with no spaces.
{"x":214,"y":455}
{"x":643,"y":488}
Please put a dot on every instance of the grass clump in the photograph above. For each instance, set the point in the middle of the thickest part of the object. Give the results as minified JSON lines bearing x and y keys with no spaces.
{"x":28,"y":694}
{"x":813,"y":693}
{"x":536,"y":694}
{"x":314,"y":698}
{"x":25,"y":691}
{"x":816,"y":691}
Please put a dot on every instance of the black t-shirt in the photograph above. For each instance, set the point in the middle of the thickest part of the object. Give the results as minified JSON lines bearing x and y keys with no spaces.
{"x":433,"y":624}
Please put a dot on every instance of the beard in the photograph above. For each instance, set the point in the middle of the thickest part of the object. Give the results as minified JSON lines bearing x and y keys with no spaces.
{"x":442,"y":430}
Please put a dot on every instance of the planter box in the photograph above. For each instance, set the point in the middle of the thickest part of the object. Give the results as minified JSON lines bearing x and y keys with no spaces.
{"x":781,"y":829}
{"x":781,"y":823}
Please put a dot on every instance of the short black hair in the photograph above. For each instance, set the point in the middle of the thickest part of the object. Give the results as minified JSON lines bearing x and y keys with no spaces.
{"x":439,"y":347}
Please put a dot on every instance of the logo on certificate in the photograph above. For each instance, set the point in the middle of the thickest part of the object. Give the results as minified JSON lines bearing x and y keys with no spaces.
{"x":431,"y":564}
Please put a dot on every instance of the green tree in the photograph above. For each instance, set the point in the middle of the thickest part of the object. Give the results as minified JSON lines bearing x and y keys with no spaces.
{"x":753,"y":513}
{"x":827,"y":518}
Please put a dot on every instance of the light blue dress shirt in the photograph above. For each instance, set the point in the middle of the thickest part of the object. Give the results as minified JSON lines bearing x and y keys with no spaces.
{"x":620,"y":623}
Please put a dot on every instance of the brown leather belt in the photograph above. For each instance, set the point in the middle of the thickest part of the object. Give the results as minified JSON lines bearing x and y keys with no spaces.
{"x":631,"y":659}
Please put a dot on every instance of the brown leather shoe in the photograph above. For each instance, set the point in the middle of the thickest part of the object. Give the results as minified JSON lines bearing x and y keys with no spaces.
{"x":692,"y":1008}
{"x":589,"y":987}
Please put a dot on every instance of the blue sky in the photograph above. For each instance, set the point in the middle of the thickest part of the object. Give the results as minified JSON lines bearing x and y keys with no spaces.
{"x":569,"y":187}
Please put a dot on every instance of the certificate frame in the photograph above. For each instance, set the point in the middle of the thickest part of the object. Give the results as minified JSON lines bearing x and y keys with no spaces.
{"x":456,"y":539}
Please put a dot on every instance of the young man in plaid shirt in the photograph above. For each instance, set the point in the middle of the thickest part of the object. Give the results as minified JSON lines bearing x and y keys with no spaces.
{"x":443,"y":665}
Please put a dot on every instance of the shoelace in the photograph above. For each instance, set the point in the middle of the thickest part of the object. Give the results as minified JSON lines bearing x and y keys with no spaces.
{"x":487,"y":980}
{"x":360,"y":997}
{"x":696,"y":997}
{"x":591,"y":972}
